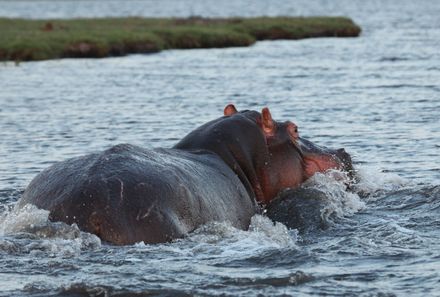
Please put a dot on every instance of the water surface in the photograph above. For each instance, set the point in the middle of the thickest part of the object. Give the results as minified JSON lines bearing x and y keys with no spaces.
{"x":377,"y":95}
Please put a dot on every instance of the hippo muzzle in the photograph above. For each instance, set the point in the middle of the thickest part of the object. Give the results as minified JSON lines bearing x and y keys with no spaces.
{"x":320,"y":159}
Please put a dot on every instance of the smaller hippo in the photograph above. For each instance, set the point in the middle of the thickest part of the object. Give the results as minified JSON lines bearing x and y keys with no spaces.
{"x":300,"y":209}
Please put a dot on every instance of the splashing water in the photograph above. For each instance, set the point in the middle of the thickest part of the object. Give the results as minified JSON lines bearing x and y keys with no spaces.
{"x":263,"y":234}
{"x":338,"y":201}
{"x":18,"y":220}
{"x":39,"y":235}
{"x":373,"y":182}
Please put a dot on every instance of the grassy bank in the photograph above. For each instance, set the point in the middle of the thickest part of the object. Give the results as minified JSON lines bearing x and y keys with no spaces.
{"x":26,"y":40}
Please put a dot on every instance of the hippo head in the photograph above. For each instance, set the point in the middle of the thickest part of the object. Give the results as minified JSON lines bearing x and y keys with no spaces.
{"x":268,"y":156}
{"x":292,"y":159}
{"x":283,"y":165}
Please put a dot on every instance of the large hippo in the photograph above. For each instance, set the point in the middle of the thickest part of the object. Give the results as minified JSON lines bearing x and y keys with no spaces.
{"x":224,"y":170}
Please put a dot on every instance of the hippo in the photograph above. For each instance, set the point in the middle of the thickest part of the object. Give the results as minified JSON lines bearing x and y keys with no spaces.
{"x":301,"y":208}
{"x":228,"y":169}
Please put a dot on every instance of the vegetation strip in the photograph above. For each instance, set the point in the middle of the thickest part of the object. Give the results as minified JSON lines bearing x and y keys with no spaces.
{"x":27,"y":40}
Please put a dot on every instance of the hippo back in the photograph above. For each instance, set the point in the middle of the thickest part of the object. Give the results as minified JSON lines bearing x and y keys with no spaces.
{"x":128,"y":194}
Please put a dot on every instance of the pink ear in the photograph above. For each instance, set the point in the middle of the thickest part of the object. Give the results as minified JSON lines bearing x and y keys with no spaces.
{"x":229,"y":110}
{"x":267,"y":122}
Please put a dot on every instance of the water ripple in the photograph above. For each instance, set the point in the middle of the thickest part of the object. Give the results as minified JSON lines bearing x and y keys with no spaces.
{"x":376,"y":95}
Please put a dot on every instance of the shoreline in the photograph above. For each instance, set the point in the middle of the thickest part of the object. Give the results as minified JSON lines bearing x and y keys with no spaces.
{"x":35,"y":40}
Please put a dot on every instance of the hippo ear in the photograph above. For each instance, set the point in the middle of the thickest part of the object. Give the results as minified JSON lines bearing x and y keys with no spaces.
{"x":229,"y":110}
{"x":267,"y":122}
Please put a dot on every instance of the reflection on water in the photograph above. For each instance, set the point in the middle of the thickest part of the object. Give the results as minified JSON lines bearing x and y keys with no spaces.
{"x":376,"y":95}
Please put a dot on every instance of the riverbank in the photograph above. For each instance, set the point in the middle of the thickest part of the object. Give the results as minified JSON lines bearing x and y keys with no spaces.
{"x":31,"y":40}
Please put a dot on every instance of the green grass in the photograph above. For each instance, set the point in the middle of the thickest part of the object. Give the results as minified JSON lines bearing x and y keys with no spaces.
{"x":26,"y":40}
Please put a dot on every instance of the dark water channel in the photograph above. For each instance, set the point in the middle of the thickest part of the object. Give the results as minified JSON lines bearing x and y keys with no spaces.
{"x":377,"y":95}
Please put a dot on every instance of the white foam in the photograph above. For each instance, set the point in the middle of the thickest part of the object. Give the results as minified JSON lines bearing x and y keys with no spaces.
{"x":339,"y":201}
{"x":373,"y":180}
{"x":217,"y":240}
{"x":18,"y":220}
{"x":52,"y":238}
{"x":261,"y":230}
{"x":273,"y":232}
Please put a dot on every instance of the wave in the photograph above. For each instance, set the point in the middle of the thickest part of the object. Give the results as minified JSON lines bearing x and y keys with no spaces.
{"x":28,"y":230}
{"x":340,"y":202}
{"x":373,"y":182}
{"x":219,"y":240}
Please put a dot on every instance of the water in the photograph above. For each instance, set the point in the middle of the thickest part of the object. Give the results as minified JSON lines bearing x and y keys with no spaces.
{"x":378,"y":96}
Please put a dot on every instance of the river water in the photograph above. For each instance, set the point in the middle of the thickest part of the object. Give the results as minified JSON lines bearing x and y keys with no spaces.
{"x":377,"y":95}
